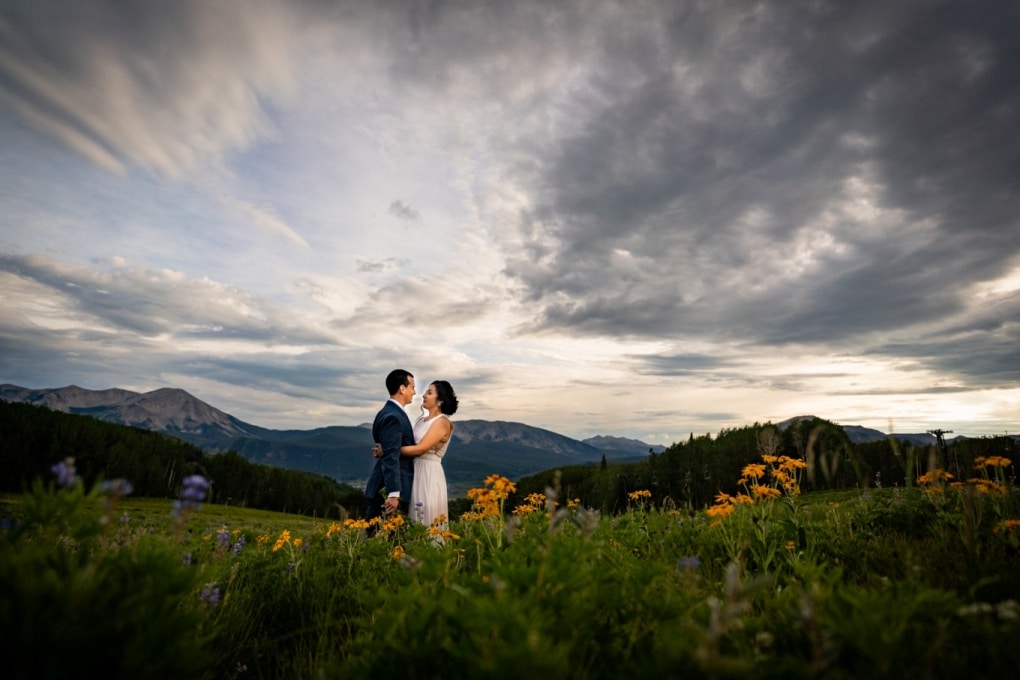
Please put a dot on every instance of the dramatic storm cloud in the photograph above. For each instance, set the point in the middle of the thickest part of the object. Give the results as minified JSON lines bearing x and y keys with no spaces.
{"x":640,"y":218}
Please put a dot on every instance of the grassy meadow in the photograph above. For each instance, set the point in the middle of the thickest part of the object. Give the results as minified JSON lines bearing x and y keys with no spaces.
{"x":887,"y":582}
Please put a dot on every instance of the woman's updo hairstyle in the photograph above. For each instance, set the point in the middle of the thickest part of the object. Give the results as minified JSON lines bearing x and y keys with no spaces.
{"x":446,"y":397}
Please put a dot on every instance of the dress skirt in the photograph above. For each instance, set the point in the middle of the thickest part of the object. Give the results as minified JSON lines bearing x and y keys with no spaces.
{"x":428,"y":493}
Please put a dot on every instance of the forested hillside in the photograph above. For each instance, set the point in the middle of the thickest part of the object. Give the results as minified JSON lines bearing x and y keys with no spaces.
{"x":33,"y":438}
{"x":691,"y":473}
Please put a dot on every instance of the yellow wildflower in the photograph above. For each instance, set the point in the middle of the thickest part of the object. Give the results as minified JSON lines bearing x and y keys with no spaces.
{"x":982,"y":462}
{"x":721,"y":511}
{"x":282,"y":540}
{"x":753,"y":471}
{"x":762,"y":491}
{"x":398,"y":552}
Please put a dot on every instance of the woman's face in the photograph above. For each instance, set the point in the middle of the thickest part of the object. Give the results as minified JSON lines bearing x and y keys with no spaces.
{"x":428,"y":400}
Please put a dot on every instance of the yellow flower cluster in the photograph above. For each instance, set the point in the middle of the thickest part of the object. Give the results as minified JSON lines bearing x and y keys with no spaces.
{"x":781,"y":473}
{"x":283,"y":540}
{"x":981,"y":462}
{"x":534,"y":502}
{"x":935,"y":476}
{"x":988,"y":486}
{"x":439,"y":530}
{"x":934,"y":480}
{"x":488,"y":501}
{"x":638,"y":495}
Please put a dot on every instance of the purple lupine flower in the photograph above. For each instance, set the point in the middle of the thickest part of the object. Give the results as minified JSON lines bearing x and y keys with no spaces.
{"x":116,"y":487}
{"x":223,"y":538}
{"x":65,"y":472}
{"x":193,"y":492}
{"x":211,"y":594}
{"x":238,"y":546}
{"x":195,"y":488}
{"x":688,"y":563}
{"x":186,"y":560}
{"x":291,"y":566}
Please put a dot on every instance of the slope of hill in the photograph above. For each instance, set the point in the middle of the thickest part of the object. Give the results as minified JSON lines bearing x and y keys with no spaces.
{"x":480,"y":448}
{"x":863,"y":435}
{"x":621,"y":446}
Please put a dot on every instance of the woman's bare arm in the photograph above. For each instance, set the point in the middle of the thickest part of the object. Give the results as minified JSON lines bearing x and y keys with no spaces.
{"x":437,"y":433}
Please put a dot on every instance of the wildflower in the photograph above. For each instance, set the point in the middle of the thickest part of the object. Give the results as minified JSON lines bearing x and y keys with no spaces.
{"x":186,"y":560}
{"x":282,"y":540}
{"x":261,"y":540}
{"x":501,"y":485}
{"x":116,"y":487}
{"x":982,"y":462}
{"x":688,"y":563}
{"x":393,"y":523}
{"x":223,"y":538}
{"x":238,"y":546}
{"x":65,"y":472}
{"x":638,"y":495}
{"x":762,"y":491}
{"x":356,"y":524}
{"x":791,"y":464}
{"x":210,"y":594}
{"x":988,"y":487}
{"x":398,"y":552}
{"x":720,"y":511}
{"x":192,"y":494}
{"x":532,"y":503}
{"x":935,"y":476}
{"x":573,"y":504}
{"x":791,"y":546}
{"x":753,"y":471}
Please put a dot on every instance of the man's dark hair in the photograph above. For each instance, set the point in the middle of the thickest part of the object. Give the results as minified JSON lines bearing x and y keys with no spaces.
{"x":446,"y":397}
{"x":397,"y":378}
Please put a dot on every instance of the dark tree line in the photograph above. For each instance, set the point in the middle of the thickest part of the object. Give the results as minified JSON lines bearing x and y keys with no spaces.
{"x":690,"y":474}
{"x":33,"y":438}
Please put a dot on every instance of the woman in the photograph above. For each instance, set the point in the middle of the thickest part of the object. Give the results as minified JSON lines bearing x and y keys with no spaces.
{"x":432,"y":432}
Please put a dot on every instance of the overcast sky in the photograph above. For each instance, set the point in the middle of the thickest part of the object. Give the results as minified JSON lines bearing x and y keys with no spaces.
{"x":640,"y":219}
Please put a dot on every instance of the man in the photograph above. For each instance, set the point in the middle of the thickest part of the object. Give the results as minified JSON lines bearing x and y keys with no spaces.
{"x":391,"y":430}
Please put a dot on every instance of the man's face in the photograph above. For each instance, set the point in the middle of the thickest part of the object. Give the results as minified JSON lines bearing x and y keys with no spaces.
{"x":406,"y":392}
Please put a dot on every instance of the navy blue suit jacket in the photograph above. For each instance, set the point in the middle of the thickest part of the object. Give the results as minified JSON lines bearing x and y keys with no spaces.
{"x":392,"y":429}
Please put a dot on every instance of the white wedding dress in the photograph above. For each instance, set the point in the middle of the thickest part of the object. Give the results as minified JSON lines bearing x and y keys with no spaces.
{"x":428,"y":493}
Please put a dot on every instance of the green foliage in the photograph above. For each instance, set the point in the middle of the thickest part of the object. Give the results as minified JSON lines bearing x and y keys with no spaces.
{"x":883,"y":583}
{"x":155,"y":464}
{"x":76,"y":602}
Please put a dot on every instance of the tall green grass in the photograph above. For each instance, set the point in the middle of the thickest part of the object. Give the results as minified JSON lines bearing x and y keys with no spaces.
{"x":918,"y":582}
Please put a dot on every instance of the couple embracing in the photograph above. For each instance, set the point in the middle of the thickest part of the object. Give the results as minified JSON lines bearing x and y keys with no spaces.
{"x":409,"y":457}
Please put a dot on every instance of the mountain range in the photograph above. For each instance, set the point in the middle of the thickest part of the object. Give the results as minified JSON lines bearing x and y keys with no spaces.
{"x":479,"y":447}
